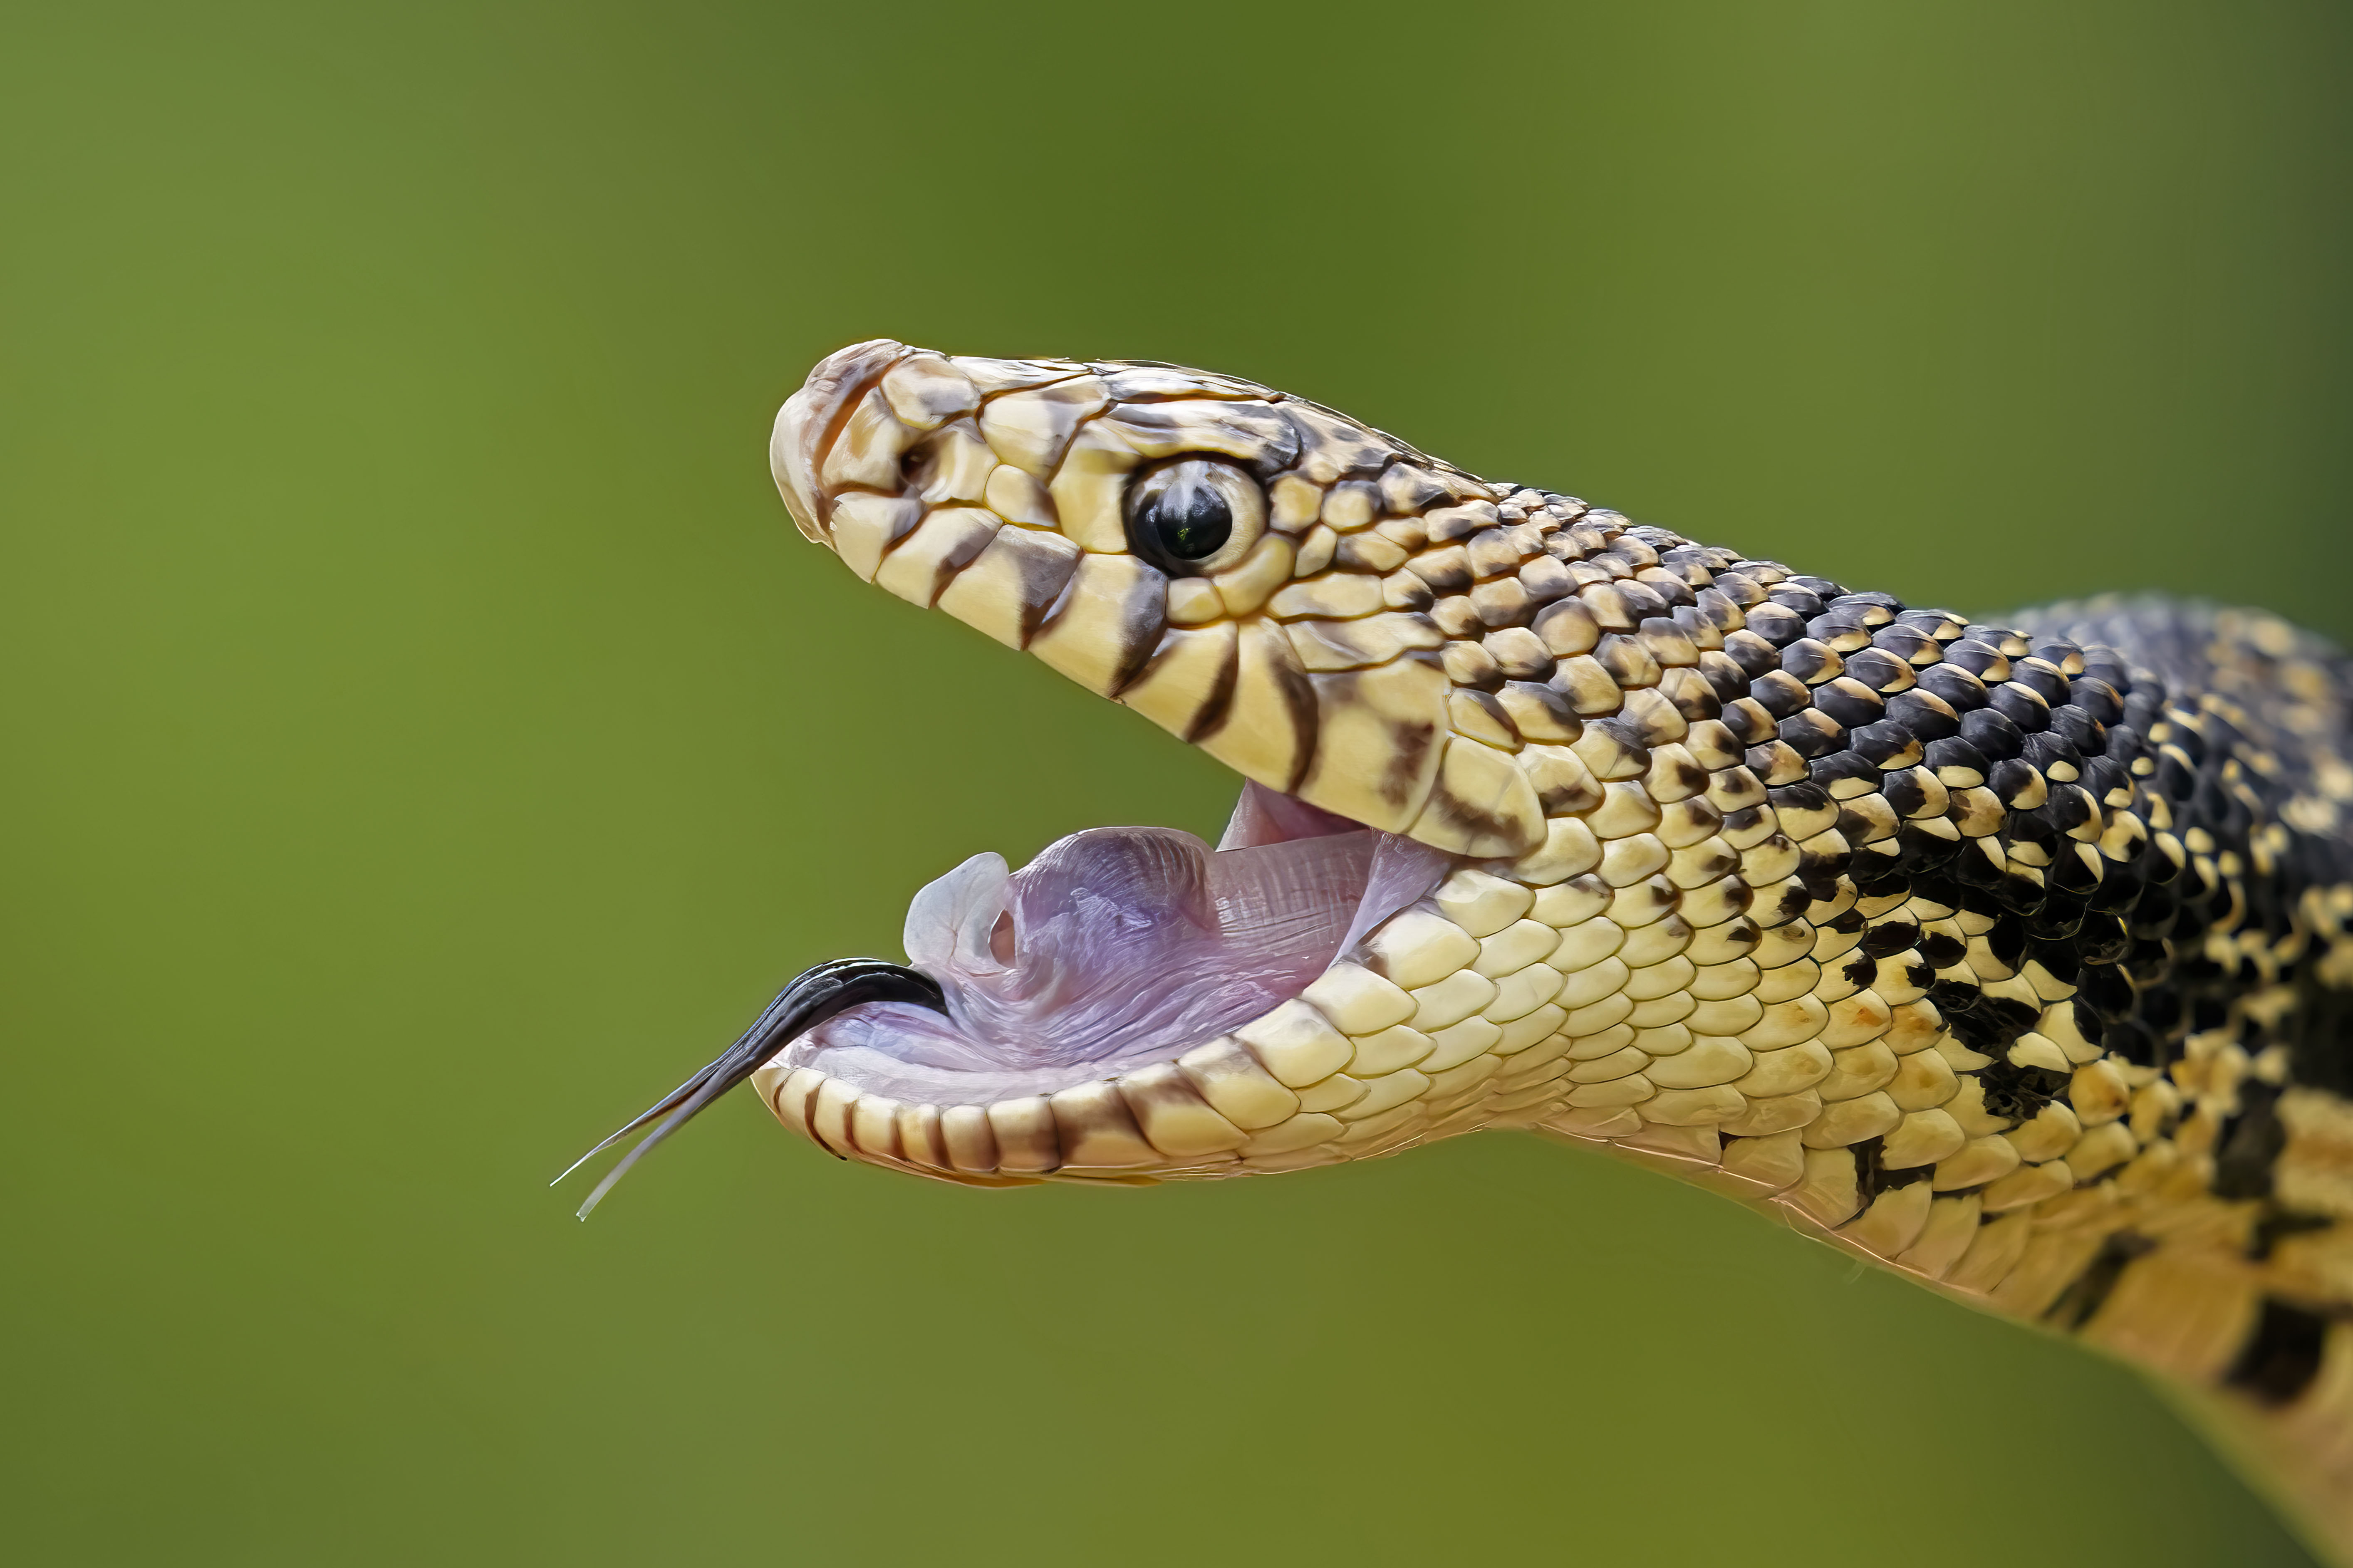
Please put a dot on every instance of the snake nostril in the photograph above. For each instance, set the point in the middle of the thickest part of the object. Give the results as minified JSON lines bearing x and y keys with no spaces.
{"x":916,"y":468}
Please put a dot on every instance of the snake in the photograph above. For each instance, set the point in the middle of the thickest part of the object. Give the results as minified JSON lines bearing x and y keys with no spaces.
{"x":2014,"y":958}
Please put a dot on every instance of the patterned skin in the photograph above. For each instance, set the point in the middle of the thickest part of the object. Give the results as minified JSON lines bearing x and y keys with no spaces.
{"x":2013,"y":957}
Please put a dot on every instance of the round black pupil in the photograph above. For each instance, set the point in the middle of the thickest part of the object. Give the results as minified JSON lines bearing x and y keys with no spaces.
{"x":1191,"y":519}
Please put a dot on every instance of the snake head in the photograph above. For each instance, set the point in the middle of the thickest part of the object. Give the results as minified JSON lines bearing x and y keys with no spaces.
{"x":1469,"y":718}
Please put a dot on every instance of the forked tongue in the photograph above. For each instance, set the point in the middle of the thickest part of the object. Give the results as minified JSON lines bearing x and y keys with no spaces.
{"x":832,"y":987}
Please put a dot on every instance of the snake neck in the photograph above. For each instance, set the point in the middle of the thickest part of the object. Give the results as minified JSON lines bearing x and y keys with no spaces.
{"x":2013,"y":957}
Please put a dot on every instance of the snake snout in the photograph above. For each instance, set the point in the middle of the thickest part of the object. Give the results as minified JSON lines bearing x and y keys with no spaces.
{"x":810,"y":426}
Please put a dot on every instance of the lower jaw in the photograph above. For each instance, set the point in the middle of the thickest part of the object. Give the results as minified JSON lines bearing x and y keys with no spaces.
{"x":1216,"y":1110}
{"x":1086,"y":1133}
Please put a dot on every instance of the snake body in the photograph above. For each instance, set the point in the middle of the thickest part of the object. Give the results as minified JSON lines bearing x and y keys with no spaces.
{"x":2014,"y":958}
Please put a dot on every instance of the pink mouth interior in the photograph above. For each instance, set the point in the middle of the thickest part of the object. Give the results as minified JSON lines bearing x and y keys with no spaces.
{"x":1117,"y":947}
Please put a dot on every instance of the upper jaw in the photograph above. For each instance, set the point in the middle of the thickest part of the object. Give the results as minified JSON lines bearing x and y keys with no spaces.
{"x":1013,"y":495}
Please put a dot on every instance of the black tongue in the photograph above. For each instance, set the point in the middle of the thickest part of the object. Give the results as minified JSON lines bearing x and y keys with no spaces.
{"x":834,"y":986}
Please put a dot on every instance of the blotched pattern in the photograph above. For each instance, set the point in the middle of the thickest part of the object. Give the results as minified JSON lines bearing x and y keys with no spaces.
{"x":2012,"y":956}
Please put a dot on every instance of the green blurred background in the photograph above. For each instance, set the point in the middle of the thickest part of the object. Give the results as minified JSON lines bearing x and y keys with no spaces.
{"x":427,"y":740}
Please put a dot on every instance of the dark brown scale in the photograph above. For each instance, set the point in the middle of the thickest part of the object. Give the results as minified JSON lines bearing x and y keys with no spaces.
{"x":2283,"y":1357}
{"x":1849,"y":701}
{"x":1776,"y":624}
{"x":1693,"y":623}
{"x":1890,"y":937}
{"x":1871,"y":1175}
{"x":2056,"y":953}
{"x":1927,"y":716}
{"x":2098,"y":698}
{"x":1878,"y":669}
{"x":1941,"y":627}
{"x":1905,"y":792}
{"x":1797,"y":599}
{"x":1886,"y":745}
{"x":1954,"y":686}
{"x":2020,"y":1093}
{"x":2043,"y":678}
{"x":2162,"y":1014}
{"x":2018,"y":782}
{"x":1726,"y":679}
{"x":1908,"y":643}
{"x":2103,"y":939}
{"x":1747,"y":720}
{"x":2092,"y":1286}
{"x":1810,"y":661}
{"x":1780,"y":693}
{"x":1844,"y":775}
{"x":1812,"y":734}
{"x":2061,"y":655}
{"x":1668,"y":589}
{"x":1980,"y":658}
{"x":1627,"y":662}
{"x":2079,"y":729}
{"x":1754,"y":654}
{"x":1840,"y":634}
{"x":2056,"y":752}
{"x":2027,"y":829}
{"x":1721,"y":612}
{"x":2021,"y":705}
{"x":1689,"y":562}
{"x":1740,"y":587}
{"x":2147,"y":962}
{"x":1992,"y":733}
{"x":1413,"y":596}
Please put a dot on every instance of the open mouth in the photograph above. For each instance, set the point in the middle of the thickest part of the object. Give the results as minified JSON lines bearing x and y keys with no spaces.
{"x":1117,"y":948}
{"x":1116,"y":951}
{"x":1208,"y":554}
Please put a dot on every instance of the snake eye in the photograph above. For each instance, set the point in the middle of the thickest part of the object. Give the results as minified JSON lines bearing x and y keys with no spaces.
{"x":1195,"y":515}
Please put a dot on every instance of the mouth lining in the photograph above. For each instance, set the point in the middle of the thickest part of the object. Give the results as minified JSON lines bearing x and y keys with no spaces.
{"x":1117,"y":948}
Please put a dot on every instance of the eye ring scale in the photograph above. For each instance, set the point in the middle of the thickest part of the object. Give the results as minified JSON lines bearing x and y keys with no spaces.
{"x":1194,"y":515}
